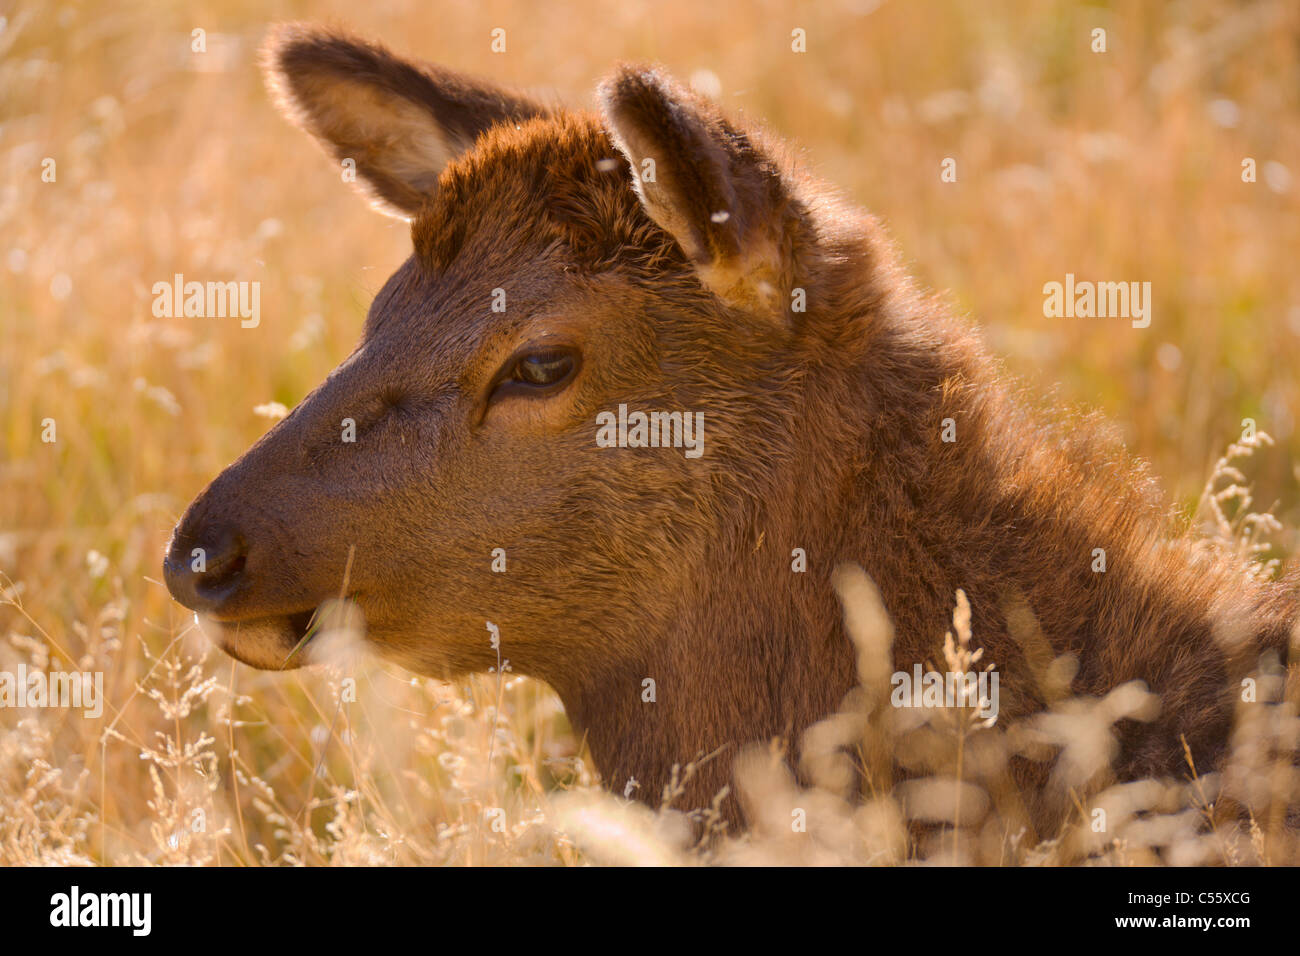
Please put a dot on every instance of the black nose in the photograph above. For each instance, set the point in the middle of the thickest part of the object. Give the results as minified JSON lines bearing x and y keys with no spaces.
{"x":204,"y":569}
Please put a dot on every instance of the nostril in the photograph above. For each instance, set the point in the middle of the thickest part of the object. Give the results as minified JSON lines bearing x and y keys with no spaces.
{"x":224,"y":567}
{"x":204,"y":577}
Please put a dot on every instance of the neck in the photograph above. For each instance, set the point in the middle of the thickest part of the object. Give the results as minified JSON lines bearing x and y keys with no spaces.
{"x":754,"y":654}
{"x":1012,"y":510}
{"x":754,"y":649}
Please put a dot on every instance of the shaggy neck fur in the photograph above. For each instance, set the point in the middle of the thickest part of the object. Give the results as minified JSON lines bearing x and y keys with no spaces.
{"x":1011,"y":511}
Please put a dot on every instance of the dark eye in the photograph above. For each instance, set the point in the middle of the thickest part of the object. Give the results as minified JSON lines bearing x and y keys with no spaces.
{"x":536,"y":372}
{"x":541,"y":369}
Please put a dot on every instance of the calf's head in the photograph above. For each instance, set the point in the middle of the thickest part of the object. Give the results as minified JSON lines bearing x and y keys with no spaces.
{"x":564,"y":264}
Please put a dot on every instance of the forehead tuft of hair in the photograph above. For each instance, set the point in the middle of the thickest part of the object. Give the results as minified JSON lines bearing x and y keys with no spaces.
{"x":543,"y":182}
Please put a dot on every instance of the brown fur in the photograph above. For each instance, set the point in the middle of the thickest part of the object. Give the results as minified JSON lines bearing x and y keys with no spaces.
{"x":822,"y":432}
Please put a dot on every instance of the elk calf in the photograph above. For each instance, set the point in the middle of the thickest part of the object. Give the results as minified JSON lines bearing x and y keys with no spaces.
{"x":658,"y":256}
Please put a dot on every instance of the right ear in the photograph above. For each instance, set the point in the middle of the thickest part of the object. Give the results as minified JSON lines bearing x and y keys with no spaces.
{"x":715,"y":188}
{"x":400,"y":122}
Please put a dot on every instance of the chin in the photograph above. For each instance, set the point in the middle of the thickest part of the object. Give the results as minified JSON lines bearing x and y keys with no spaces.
{"x":265,"y":643}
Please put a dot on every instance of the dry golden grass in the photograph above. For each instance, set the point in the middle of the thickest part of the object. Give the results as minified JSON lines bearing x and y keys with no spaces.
{"x":1124,"y":165}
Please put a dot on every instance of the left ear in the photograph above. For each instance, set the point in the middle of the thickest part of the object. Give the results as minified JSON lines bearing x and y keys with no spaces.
{"x":708,"y":184}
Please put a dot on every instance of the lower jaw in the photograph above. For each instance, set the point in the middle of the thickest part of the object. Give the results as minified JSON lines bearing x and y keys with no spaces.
{"x":266,"y":643}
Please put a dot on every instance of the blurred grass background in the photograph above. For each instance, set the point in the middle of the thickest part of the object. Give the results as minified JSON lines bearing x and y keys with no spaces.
{"x":1124,"y":165}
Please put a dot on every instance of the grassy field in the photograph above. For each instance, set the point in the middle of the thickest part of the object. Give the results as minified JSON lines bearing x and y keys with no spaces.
{"x":1123,"y":165}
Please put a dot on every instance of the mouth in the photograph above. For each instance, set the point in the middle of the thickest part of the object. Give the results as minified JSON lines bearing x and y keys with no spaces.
{"x":279,"y":642}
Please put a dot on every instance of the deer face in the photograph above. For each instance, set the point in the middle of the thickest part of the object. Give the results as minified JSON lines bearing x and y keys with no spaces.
{"x":450,"y":472}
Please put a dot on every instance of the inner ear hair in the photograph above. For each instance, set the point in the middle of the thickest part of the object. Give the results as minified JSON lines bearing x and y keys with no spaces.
{"x":399,"y":121}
